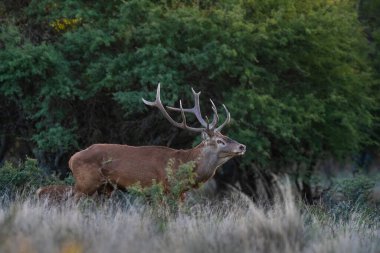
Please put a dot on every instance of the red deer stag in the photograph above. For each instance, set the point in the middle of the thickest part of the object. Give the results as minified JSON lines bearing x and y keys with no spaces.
{"x":123,"y":165}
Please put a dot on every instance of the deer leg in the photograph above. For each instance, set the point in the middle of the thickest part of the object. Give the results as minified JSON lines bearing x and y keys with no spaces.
{"x":106,"y":189}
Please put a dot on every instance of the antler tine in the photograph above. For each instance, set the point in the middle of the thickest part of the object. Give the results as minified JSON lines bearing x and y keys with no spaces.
{"x":195,"y":110}
{"x":182,"y":114}
{"x":215,"y":118}
{"x":227,"y":121}
{"x":157,"y":103}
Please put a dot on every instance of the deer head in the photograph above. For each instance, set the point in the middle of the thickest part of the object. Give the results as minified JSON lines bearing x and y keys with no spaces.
{"x":215,"y":146}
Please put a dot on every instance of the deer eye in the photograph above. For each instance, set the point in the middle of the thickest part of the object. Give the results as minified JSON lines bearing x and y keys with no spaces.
{"x":220,"y":142}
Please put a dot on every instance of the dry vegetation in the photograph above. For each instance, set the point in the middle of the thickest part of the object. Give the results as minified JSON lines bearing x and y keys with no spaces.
{"x":232,"y":225}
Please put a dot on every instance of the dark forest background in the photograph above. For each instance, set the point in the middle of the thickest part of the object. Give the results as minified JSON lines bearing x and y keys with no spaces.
{"x":300,"y":78}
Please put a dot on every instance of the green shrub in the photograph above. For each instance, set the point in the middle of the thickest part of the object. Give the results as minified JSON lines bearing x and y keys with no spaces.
{"x":357,"y":188}
{"x":165,"y":202}
{"x":26,"y":176}
{"x":352,"y":195}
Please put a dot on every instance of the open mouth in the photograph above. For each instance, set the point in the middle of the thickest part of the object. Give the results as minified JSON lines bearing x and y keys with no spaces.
{"x":239,"y":153}
{"x":231,"y":154}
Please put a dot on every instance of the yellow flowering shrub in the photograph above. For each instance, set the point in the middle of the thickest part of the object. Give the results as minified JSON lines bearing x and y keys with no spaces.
{"x":63,"y":24}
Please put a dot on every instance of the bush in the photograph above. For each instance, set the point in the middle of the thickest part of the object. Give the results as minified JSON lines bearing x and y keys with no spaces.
{"x":356,"y":188}
{"x":166,"y":202}
{"x":351,"y":195}
{"x":26,"y":176}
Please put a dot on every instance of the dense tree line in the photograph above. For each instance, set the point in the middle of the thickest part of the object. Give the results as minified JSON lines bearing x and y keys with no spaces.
{"x":300,"y":78}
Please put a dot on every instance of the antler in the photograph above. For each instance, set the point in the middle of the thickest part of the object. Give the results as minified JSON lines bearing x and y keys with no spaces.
{"x":157,"y":103}
{"x":227,"y":121}
{"x":195,"y":110}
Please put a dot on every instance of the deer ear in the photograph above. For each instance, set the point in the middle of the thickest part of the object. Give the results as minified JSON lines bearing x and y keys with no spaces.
{"x":205,"y":136}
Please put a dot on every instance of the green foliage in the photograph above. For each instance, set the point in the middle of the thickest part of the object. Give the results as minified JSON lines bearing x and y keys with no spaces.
{"x":295,"y":74}
{"x":369,"y":15}
{"x":54,"y":139}
{"x":309,"y":98}
{"x":350,"y":195}
{"x":19,"y":177}
{"x":26,"y":176}
{"x":357,"y":188}
{"x":180,"y":180}
{"x":166,"y":201}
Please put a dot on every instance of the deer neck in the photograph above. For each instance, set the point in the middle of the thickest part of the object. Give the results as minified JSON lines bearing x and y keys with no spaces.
{"x":207,"y":162}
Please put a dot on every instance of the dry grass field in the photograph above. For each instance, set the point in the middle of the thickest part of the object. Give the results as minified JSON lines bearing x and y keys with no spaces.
{"x":231,"y":225}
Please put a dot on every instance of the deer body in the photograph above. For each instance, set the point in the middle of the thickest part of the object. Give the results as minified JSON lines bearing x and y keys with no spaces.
{"x":124,"y":165}
{"x":55,"y":193}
